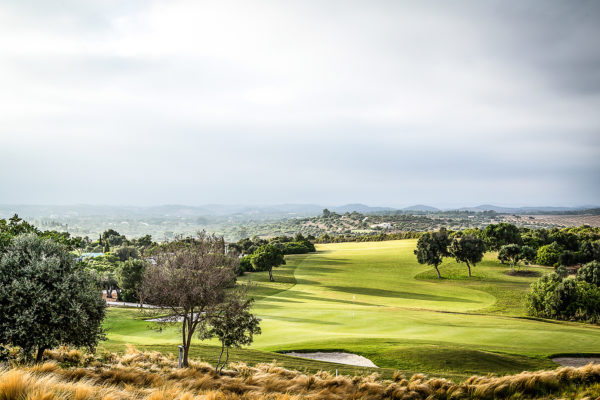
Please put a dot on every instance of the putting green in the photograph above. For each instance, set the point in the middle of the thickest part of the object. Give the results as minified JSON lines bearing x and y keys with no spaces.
{"x":374,"y":299}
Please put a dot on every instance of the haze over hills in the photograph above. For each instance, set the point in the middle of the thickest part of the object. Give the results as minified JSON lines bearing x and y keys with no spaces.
{"x":247,"y":211}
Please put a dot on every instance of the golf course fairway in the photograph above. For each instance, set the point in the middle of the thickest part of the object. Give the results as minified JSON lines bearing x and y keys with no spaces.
{"x":374,"y":299}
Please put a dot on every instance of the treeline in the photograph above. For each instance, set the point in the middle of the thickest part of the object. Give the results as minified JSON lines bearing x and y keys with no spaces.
{"x":552,"y":247}
{"x":258,"y":254}
{"x":379,"y":237}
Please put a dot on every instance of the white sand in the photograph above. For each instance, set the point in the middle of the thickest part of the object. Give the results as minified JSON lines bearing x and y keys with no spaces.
{"x":576,"y":361}
{"x":337,"y":357}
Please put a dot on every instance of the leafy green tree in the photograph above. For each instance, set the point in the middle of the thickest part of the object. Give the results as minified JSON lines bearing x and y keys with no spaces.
{"x":468,"y":249}
{"x":267,"y":257}
{"x":510,"y":253}
{"x":106,"y":270}
{"x":130,"y":277}
{"x":567,"y":258}
{"x":589,"y":251}
{"x":45,"y":299}
{"x":326,"y":213}
{"x":12,"y":227}
{"x":498,"y":235}
{"x":144,"y":242}
{"x":245,"y":265}
{"x":548,"y":254}
{"x":126,"y":252}
{"x":590,"y":273}
{"x":431,"y":249}
{"x":233,"y":324}
{"x":528,"y":254}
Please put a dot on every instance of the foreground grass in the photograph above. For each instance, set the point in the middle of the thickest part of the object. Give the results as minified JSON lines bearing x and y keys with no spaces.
{"x":375,"y":300}
{"x":152,"y":376}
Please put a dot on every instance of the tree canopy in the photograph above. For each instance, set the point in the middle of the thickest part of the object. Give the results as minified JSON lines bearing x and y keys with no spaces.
{"x":432,"y":247}
{"x":188,"y":281}
{"x":266,"y":257}
{"x":45,"y":300}
{"x":468,"y":249}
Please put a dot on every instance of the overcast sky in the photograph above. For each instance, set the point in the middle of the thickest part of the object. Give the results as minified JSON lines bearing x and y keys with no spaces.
{"x":330,"y":102}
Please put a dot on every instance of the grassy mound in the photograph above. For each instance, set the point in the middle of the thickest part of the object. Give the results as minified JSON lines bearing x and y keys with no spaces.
{"x":152,"y":376}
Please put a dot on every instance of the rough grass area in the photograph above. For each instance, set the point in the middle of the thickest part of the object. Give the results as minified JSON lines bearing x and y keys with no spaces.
{"x":152,"y":376}
{"x":375,"y":300}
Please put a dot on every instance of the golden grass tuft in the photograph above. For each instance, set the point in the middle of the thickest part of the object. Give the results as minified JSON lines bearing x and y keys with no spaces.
{"x":152,"y":376}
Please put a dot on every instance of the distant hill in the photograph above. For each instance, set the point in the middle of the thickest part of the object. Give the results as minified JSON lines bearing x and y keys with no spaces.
{"x":524,"y":210}
{"x":421,"y":207}
{"x":361,"y":208}
{"x":248,"y":212}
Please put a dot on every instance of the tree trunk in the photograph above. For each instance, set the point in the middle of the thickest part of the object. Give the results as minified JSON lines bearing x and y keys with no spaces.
{"x":184,"y":361}
{"x":438,"y":272}
{"x":220,"y":355}
{"x":40,"y":354}
{"x":226,"y":359}
{"x":190,"y":335}
{"x":271,"y":275}
{"x":469,"y":267}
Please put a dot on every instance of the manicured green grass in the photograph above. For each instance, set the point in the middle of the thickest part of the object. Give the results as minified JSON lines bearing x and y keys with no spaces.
{"x":374,"y":299}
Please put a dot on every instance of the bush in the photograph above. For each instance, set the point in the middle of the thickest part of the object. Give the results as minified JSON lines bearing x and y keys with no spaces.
{"x":302,"y":247}
{"x":548,"y":254}
{"x":590,"y":273}
{"x":245,"y":265}
{"x":565,"y":299}
{"x":567,"y":258}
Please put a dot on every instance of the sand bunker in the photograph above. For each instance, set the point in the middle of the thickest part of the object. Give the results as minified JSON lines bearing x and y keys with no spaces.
{"x":337,"y":357}
{"x":576,"y":361}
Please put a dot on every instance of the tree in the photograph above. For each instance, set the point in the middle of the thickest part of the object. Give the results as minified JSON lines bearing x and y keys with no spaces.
{"x":510,"y":253}
{"x":326,"y":213}
{"x":45,"y":299}
{"x":12,"y":227}
{"x":105,"y":268}
{"x":498,"y":235}
{"x":188,"y":281}
{"x":590,"y":273}
{"x":233,"y":324}
{"x":124,"y":253}
{"x":567,"y":258}
{"x":469,"y":249}
{"x":432,"y":247}
{"x":130,"y":276}
{"x":548,"y":254}
{"x":528,"y":254}
{"x":266,"y":257}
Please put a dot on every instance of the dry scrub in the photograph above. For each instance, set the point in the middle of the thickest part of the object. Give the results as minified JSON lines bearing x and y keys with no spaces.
{"x":153,"y":376}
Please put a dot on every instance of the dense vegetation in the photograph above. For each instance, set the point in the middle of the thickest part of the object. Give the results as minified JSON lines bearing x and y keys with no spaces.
{"x":557,"y":296}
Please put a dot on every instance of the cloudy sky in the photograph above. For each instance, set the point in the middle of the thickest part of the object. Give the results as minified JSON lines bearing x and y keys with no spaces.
{"x":330,"y":102}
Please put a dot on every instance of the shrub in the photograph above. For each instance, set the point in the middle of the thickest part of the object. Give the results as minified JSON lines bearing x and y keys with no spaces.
{"x":590,"y":273}
{"x":567,"y":258}
{"x":548,"y":254}
{"x":554,"y":297}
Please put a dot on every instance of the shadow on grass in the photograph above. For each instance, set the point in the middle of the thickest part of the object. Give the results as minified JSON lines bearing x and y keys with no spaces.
{"x":396,"y":294}
{"x":302,"y":320}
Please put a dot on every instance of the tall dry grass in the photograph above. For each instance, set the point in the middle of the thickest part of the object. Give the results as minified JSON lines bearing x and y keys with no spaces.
{"x":69,"y":374}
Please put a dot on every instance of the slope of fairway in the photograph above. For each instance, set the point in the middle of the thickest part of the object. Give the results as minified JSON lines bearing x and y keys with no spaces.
{"x":364,"y":297}
{"x":375,"y":300}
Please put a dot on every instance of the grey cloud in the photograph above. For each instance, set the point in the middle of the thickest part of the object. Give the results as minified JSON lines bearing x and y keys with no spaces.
{"x":381,"y":102}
